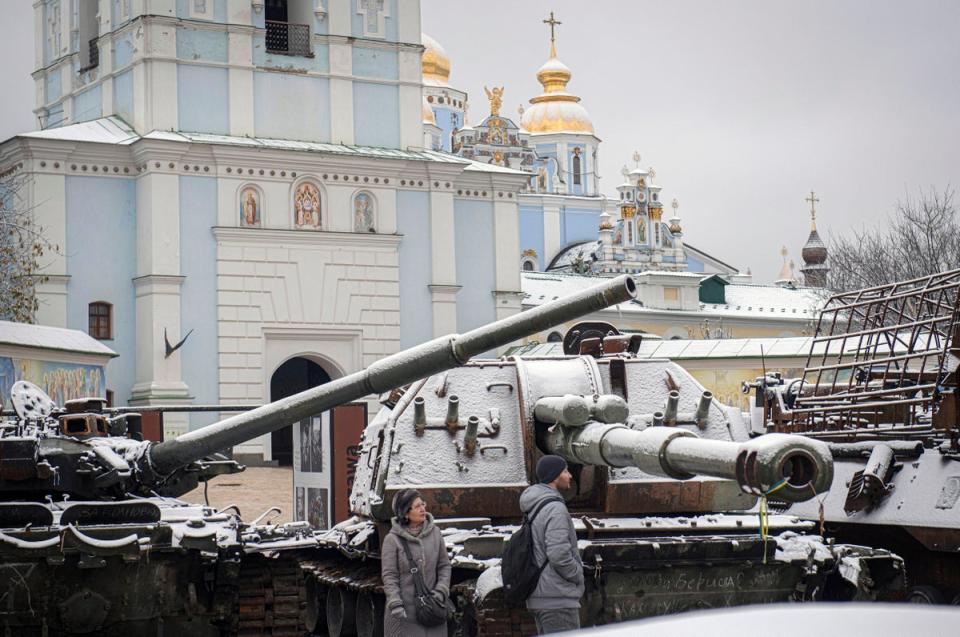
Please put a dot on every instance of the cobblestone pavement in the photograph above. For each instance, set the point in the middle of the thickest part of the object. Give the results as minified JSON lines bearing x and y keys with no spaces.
{"x":254,"y":491}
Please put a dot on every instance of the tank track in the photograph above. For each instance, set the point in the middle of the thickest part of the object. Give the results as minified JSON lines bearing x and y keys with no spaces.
{"x":271,"y":597}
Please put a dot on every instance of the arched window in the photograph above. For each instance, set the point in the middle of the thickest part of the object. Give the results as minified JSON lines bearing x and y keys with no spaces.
{"x":576,"y":167}
{"x":100,"y":320}
{"x":528,"y":266}
{"x":555,"y":337}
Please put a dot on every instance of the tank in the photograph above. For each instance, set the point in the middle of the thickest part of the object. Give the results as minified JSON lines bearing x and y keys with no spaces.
{"x":672,"y":499}
{"x":94,"y":541}
{"x":880,"y":388}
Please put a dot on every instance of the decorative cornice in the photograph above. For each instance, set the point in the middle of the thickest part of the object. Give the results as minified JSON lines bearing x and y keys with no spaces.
{"x":319,"y":238}
{"x":440,"y":288}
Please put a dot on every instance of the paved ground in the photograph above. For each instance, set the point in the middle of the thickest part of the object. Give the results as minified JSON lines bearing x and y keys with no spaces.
{"x":254,"y":491}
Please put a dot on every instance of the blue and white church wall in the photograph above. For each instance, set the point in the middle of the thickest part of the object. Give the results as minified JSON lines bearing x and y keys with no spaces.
{"x":264,"y":254}
{"x":207,"y":66}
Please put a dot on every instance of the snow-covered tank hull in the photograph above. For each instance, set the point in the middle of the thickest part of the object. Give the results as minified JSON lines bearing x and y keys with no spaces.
{"x":469,"y":438}
{"x":882,"y":387}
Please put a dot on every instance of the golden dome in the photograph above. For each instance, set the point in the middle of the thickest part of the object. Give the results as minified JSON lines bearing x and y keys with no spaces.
{"x":435,"y":63}
{"x":428,"y":116}
{"x":555,"y":110}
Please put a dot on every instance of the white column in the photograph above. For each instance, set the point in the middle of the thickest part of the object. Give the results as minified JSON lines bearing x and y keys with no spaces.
{"x":408,"y":21}
{"x":39,"y":35}
{"x":506,"y":233}
{"x":241,"y":79}
{"x":551,"y":231}
{"x":443,"y":284}
{"x":47,"y":199}
{"x":157,"y":289}
{"x":341,"y":91}
{"x":160,"y":80}
{"x":338,"y":16}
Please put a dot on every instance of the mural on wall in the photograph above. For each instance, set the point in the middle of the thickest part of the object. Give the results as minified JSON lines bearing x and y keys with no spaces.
{"x":641,"y":230}
{"x":306,"y":207}
{"x":726,"y":384}
{"x":363,"y":213}
{"x":61,"y":381}
{"x":250,"y":208}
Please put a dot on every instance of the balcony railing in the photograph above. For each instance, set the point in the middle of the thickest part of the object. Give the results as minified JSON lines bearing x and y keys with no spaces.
{"x":289,"y":39}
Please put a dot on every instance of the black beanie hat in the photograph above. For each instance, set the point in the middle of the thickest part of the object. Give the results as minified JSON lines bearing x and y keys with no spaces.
{"x":549,"y":467}
{"x":402,"y":502}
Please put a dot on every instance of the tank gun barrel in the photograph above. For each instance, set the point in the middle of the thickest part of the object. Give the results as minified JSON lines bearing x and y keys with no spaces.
{"x":389,"y":373}
{"x":792,"y":468}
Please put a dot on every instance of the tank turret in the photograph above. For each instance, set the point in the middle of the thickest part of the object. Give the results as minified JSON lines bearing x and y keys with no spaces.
{"x":83,"y":453}
{"x":641,"y":436}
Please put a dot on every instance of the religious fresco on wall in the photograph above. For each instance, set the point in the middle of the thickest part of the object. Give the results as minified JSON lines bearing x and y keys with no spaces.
{"x":306,"y":207}
{"x":363,"y":213}
{"x":250,"y":208}
{"x":61,"y":381}
{"x":618,"y":233}
{"x":641,"y":230}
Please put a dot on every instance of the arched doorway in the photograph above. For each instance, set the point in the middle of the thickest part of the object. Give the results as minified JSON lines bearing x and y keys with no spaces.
{"x":292,"y":377}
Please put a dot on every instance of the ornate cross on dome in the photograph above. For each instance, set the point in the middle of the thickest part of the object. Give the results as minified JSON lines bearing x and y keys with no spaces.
{"x":813,"y":203}
{"x":553,"y":36}
{"x":675,"y":204}
{"x":813,"y":209}
{"x":636,"y":158}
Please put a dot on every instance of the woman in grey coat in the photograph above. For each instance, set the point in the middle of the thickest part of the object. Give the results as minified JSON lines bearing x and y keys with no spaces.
{"x":413,"y":524}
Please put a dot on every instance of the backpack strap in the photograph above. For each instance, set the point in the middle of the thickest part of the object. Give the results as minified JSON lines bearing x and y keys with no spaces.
{"x":536,"y":509}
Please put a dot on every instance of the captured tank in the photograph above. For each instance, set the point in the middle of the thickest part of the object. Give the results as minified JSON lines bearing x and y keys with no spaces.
{"x":94,"y":541}
{"x":669,"y":498}
{"x":880,"y":388}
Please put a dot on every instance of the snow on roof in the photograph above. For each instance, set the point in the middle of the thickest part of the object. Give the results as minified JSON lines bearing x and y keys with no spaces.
{"x":743,"y":301}
{"x":56,"y":338}
{"x":768,"y":301}
{"x":113,"y":130}
{"x":109,"y":130}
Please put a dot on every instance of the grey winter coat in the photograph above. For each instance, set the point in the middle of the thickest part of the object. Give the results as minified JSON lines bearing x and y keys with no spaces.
{"x":554,"y":541}
{"x":430,"y":553}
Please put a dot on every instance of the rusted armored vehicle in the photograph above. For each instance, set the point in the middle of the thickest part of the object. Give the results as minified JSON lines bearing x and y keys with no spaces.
{"x":94,"y":541}
{"x":880,"y":387}
{"x":669,"y":495}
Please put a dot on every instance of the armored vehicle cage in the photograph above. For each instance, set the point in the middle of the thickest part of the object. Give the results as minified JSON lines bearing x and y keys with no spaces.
{"x":882,"y":362}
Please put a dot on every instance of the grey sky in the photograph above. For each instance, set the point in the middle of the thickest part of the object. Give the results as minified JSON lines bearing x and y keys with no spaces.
{"x":741,"y":106}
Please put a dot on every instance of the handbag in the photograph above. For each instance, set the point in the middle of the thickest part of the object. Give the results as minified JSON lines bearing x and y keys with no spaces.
{"x":429,"y":611}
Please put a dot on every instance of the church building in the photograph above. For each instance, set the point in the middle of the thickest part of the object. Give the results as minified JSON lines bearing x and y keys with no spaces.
{"x":242,"y":199}
{"x":251,"y":197}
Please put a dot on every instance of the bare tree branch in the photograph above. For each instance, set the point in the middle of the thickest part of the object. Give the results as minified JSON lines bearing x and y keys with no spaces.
{"x":921,"y":238}
{"x":22,"y":245}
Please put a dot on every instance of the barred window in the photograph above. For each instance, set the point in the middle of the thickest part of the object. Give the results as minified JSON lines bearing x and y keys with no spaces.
{"x":100,"y":315}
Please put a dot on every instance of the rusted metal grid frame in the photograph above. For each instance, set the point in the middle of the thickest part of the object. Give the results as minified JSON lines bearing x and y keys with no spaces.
{"x":879,"y":355}
{"x":289,"y":39}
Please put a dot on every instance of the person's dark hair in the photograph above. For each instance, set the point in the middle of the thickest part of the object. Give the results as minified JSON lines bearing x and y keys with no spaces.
{"x":402,"y":503}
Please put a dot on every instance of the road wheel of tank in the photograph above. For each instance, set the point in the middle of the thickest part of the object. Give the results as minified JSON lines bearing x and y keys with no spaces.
{"x":315,"y":613}
{"x":925,"y":595}
{"x":369,"y":616}
{"x":341,"y":612}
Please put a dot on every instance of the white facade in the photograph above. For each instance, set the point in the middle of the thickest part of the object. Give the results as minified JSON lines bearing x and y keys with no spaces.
{"x":263,"y":204}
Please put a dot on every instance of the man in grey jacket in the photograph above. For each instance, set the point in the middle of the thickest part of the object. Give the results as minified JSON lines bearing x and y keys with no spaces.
{"x":555,"y":603}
